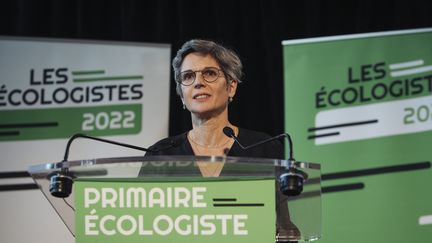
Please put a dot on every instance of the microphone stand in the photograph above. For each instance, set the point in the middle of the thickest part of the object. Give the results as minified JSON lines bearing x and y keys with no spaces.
{"x":291,"y":179}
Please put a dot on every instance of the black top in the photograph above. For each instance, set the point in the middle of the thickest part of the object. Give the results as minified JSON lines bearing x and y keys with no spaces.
{"x":179,"y":145}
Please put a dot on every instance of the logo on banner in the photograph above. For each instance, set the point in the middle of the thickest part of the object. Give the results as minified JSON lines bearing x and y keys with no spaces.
{"x":57,"y":102}
{"x":385,"y":99}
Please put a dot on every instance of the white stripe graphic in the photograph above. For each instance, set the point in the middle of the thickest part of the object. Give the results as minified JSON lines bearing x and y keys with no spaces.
{"x":391,"y":118}
{"x":411,"y":71}
{"x":406,"y":64}
{"x":425,"y":219}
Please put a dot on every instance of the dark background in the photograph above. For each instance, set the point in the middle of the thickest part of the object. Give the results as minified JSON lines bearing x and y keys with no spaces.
{"x":255,"y":29}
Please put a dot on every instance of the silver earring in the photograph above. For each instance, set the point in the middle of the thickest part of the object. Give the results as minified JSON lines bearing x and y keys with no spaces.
{"x":230,"y":99}
{"x":184,"y":106}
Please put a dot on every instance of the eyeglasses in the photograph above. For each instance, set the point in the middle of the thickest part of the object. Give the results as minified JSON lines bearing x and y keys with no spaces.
{"x":209,"y":74}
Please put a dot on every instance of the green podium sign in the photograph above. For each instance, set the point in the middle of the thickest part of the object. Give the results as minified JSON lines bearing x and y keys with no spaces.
{"x":201,"y":211}
{"x":168,"y":199}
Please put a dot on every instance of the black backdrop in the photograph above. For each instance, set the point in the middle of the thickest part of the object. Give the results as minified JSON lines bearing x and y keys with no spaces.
{"x":254,"y":29}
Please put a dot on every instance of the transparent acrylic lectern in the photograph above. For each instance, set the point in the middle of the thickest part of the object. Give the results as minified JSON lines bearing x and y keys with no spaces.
{"x":303,"y":222}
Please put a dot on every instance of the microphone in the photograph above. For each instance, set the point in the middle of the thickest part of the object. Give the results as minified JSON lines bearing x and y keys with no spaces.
{"x":61,"y":182}
{"x":292,"y":179}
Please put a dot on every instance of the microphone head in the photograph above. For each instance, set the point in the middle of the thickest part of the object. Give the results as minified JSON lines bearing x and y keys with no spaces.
{"x":229,"y":132}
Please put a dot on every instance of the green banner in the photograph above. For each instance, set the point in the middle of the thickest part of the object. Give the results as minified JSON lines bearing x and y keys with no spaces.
{"x":200,"y":211}
{"x":361,"y":106}
{"x":62,"y":122}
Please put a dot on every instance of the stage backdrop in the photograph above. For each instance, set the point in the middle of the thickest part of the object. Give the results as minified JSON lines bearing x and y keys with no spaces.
{"x":361,"y":105}
{"x":51,"y":89}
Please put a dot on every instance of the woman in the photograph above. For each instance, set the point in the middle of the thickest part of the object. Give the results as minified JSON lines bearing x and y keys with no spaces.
{"x":207,"y":75}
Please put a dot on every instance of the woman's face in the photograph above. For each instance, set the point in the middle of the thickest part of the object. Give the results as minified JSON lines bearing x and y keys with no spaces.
{"x":201,"y":98}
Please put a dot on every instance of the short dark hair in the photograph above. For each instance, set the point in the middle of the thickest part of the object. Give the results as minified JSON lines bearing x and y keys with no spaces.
{"x":227,"y":59}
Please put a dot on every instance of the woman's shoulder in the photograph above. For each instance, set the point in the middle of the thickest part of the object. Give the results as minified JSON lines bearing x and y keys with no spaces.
{"x":167,"y":144}
{"x":251,"y":135}
{"x":270,"y":149}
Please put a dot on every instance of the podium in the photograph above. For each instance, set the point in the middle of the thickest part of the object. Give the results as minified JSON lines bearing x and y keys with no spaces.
{"x":156,"y":198}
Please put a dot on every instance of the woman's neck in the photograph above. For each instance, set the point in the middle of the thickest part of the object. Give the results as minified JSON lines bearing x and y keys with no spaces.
{"x":209,"y":132}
